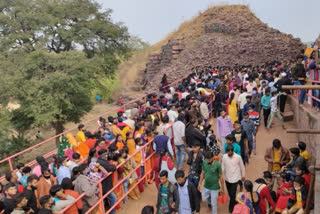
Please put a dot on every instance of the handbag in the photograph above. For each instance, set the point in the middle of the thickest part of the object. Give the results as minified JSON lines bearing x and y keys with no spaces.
{"x":241,"y":208}
{"x":171,"y":173}
{"x":222,"y":199}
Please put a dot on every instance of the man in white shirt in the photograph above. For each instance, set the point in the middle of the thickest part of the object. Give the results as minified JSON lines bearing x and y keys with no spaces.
{"x":180,"y":140}
{"x":184,"y":94}
{"x":242,"y":100}
{"x":129,"y":121}
{"x":172,"y":114}
{"x":234,"y":171}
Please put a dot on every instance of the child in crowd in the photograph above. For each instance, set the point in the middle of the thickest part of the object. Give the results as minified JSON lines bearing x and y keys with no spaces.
{"x":303,"y":152}
{"x":283,"y":193}
{"x":19,"y":170}
{"x":26,"y":171}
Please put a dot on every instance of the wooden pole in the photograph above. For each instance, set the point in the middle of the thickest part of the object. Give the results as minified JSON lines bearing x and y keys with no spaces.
{"x":310,"y":193}
{"x":298,"y":87}
{"x":303,"y":131}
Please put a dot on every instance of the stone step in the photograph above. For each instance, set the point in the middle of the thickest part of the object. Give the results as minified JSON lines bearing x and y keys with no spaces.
{"x":287,"y":116}
{"x":287,"y":108}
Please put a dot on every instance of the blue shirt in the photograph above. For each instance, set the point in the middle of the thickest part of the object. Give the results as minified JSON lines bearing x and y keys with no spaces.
{"x":63,"y":172}
{"x":184,"y":206}
{"x":265,"y":101}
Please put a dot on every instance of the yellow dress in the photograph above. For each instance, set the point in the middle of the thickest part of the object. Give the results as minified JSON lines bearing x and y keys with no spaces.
{"x":232,"y":110}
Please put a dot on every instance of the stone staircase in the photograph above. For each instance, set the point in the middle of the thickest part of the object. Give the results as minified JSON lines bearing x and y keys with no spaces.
{"x":288,"y":114}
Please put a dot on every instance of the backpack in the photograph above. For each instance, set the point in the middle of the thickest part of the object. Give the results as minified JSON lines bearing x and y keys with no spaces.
{"x":241,"y":208}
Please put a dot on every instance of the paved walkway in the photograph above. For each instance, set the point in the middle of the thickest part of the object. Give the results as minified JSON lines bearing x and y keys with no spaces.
{"x":254,"y":170}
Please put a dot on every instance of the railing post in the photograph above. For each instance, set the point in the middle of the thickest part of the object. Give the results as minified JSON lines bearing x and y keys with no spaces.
{"x":10,"y":164}
{"x":101,"y":195}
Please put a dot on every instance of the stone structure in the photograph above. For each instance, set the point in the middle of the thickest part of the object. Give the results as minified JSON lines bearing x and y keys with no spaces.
{"x":230,"y":35}
{"x":305,"y":118}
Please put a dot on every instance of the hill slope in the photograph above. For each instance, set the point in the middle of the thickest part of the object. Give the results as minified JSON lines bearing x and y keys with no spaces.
{"x":222,"y":35}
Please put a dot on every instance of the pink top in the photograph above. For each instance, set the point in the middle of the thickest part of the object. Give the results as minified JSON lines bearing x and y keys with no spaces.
{"x":37,"y":170}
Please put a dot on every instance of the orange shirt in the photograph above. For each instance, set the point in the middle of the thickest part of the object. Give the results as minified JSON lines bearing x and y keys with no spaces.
{"x":90,"y":142}
{"x":78,"y":205}
{"x":44,"y":186}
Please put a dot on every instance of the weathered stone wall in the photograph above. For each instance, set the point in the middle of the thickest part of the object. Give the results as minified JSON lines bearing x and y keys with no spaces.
{"x":169,"y":53}
{"x":305,"y":118}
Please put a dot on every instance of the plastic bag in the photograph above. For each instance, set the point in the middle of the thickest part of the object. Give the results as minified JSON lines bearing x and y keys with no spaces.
{"x":222,"y":199}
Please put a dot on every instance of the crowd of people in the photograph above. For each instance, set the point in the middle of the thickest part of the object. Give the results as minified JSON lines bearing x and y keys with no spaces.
{"x":175,"y":148}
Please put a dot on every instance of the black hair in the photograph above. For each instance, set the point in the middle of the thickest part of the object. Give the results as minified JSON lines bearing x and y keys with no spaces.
{"x":162,"y":153}
{"x":248,"y":97}
{"x":237,"y":122}
{"x":249,"y":187}
{"x":76,"y":156}
{"x":260,"y":181}
{"x":26,"y":169}
{"x":230,"y":137}
{"x":82,"y":167}
{"x":276,"y":143}
{"x":102,"y":151}
{"x":88,"y":134}
{"x":165,"y":119}
{"x":137,"y":140}
{"x":9,"y":185}
{"x":44,"y":199}
{"x":303,"y":167}
{"x":229,"y":148}
{"x":31,"y":178}
{"x":300,"y":180}
{"x":245,"y":114}
{"x":66,"y":184}
{"x":92,"y":153}
{"x":18,"y":198}
{"x":273,"y":93}
{"x":244,"y":90}
{"x":251,"y":106}
{"x":8,"y":176}
{"x":45,"y":169}
{"x":80,"y":126}
{"x":208,"y":155}
{"x":40,"y":160}
{"x":285,"y":176}
{"x":295,"y":151}
{"x":179,"y":174}
{"x":231,"y":97}
{"x":267,"y":175}
{"x":302,"y":145}
{"x":54,"y":189}
{"x":163,"y":173}
{"x":20,"y":165}
{"x":147,"y":210}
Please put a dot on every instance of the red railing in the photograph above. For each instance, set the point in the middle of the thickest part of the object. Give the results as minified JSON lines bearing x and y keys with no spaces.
{"x":100,"y":202}
{"x":312,"y":99}
{"x":12,"y":157}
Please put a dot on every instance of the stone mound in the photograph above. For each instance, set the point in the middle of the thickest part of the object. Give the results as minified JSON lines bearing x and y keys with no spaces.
{"x":229,"y":35}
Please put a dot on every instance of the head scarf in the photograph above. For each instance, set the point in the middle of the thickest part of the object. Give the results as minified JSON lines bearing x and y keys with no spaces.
{"x":64,"y":144}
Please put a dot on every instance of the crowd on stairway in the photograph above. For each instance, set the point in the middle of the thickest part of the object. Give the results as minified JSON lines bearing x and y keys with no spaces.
{"x":182,"y":154}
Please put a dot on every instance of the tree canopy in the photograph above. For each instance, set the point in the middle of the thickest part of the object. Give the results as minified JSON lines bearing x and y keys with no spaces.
{"x":53,"y":54}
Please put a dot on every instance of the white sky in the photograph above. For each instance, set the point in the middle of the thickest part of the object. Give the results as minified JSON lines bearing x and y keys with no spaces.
{"x":152,"y":20}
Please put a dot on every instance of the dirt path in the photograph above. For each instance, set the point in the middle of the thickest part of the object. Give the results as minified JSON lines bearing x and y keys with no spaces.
{"x":256,"y":166}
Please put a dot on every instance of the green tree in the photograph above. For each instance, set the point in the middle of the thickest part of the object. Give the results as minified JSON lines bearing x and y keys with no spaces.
{"x":53,"y":54}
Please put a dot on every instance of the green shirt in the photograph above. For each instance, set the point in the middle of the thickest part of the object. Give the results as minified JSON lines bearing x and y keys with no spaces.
{"x":211,"y":175}
{"x":236,"y":148}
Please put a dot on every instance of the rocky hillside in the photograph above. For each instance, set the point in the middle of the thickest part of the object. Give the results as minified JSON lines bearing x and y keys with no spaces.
{"x":222,"y":35}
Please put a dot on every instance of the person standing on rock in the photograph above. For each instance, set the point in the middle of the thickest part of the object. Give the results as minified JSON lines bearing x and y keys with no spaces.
{"x":224,"y":128}
{"x":164,"y":83}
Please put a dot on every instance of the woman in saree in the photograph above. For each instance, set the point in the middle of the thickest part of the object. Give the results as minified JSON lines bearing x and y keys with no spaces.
{"x":233,"y":108}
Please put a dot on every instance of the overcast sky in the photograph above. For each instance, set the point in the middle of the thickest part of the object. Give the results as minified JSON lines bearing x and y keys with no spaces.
{"x":152,"y":20}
